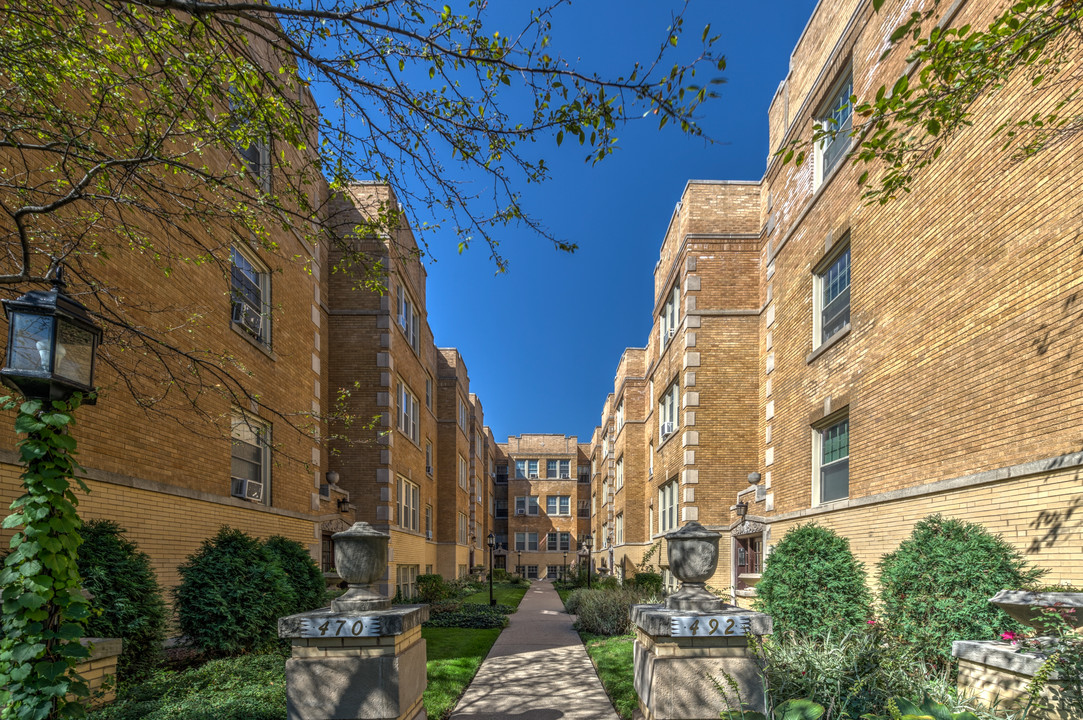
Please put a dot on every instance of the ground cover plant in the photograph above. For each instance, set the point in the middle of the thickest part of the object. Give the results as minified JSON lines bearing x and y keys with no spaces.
{"x":126,"y":600}
{"x":935,"y":587}
{"x":836,"y":602}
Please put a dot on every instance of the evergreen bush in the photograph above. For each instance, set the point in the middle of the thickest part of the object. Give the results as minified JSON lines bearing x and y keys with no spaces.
{"x":812,"y":584}
{"x":433,"y":589}
{"x":231,"y":594}
{"x":935,"y":587}
{"x":648,"y":582}
{"x":127,"y":599}
{"x":305,"y":579}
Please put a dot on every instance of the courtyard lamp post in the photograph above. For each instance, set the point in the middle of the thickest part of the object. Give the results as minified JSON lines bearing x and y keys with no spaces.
{"x":588,"y":541}
{"x":519,"y":564}
{"x":52,"y":341}
{"x":564,"y":570}
{"x":491,"y":542}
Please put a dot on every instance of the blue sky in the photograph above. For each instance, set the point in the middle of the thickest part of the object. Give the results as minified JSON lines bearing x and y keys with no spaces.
{"x":543,"y":340}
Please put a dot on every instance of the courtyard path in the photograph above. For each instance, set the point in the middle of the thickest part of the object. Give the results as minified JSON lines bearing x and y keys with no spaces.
{"x":538,"y":669}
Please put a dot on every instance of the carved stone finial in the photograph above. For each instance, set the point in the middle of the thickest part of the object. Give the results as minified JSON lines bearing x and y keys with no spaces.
{"x":361,"y":560}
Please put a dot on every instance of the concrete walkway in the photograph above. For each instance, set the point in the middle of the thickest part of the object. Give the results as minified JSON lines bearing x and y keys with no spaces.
{"x":538,"y":669}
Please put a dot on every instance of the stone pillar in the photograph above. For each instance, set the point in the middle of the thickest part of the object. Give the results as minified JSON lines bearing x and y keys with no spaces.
{"x":692,"y":655}
{"x":361,"y":658}
{"x":335,"y":673}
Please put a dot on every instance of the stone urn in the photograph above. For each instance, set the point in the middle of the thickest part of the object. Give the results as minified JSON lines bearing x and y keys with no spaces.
{"x":1027,"y":607}
{"x":693,"y":558}
{"x":361,"y":560}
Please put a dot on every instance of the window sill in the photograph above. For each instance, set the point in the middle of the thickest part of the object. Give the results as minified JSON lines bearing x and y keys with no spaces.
{"x":663,"y":443}
{"x":748,"y":576}
{"x":746,"y":593}
{"x":828,"y":344}
{"x":263,"y":348}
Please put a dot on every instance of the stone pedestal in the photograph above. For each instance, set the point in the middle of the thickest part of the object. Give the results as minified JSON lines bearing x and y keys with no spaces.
{"x":999,"y":673}
{"x":354,"y":665}
{"x":676,"y":675}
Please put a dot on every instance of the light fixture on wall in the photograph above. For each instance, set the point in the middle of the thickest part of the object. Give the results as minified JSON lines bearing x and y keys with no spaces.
{"x":742,"y":509}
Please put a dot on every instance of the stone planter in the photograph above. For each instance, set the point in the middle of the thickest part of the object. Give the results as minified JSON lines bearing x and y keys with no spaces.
{"x":361,"y":560}
{"x":693,"y":559}
{"x":1026,"y":607}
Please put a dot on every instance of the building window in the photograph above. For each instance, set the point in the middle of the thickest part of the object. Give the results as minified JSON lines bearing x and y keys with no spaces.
{"x":462,"y":473}
{"x":526,"y":469}
{"x":668,"y":408}
{"x":408,"y":504}
{"x":532,"y":572}
{"x":650,"y":460}
{"x":552,"y":572}
{"x":250,"y":459}
{"x":558,"y":504}
{"x":835,"y":116}
{"x":551,"y":470}
{"x":463,"y":530}
{"x":526,"y":505}
{"x":667,"y":507}
{"x":500,"y":509}
{"x":832,"y":461}
{"x":831,"y":293}
{"x":584,"y":473}
{"x":250,"y":295}
{"x":619,"y":529}
{"x":408,"y":413}
{"x":463,"y":417}
{"x":552,"y":541}
{"x":618,"y":481}
{"x":671,"y":315}
{"x":408,"y":581}
{"x":428,"y":393}
{"x":502,"y":473}
{"x":565,"y":469}
{"x":749,"y":560}
{"x":327,"y":553}
{"x":526,"y":541}
{"x":428,"y":457}
{"x":584,"y":508}
{"x":620,"y":415}
{"x":408,"y":319}
{"x":428,"y":523}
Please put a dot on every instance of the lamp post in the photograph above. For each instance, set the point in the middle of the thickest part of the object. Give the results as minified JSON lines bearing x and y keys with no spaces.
{"x":491,"y":542}
{"x":519,"y":564}
{"x":52,"y":341}
{"x":564,"y":570}
{"x":588,"y":542}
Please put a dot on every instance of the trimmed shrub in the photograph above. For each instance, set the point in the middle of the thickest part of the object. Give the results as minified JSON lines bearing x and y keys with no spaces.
{"x":812,"y":584}
{"x":305,"y":578}
{"x":468,"y":615}
{"x":605,"y":612}
{"x":935,"y":587}
{"x":606,"y":582}
{"x":231,"y":594}
{"x":648,"y":582}
{"x":128,"y":602}
{"x":433,"y":589}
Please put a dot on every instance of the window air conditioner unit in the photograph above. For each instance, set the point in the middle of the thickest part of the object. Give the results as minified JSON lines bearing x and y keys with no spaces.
{"x":479,"y":499}
{"x":670,"y":333}
{"x":533,"y":476}
{"x":247,"y":489}
{"x":247,"y":317}
{"x":428,"y":534}
{"x":428,"y":469}
{"x":520,"y":512}
{"x":668,"y":429}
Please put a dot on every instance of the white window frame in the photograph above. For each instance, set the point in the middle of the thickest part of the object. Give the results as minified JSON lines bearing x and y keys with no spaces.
{"x":408,"y":503}
{"x":564,"y":469}
{"x":836,"y":113}
{"x":618,"y":531}
{"x":819,"y":467}
{"x":671,"y":314}
{"x":409,"y":412}
{"x":618,"y":481}
{"x":668,"y":507}
{"x":463,"y":419}
{"x":552,"y":469}
{"x":526,"y":542}
{"x":464,"y":530}
{"x":409,"y":320}
{"x":407,"y":581}
{"x":248,"y":433}
{"x":428,"y":458}
{"x":620,"y":415}
{"x":825,"y":278}
{"x":528,"y":504}
{"x":532,"y":469}
{"x":428,"y":392}
{"x":247,"y":268}
{"x":669,"y":408}
{"x":463,"y":478}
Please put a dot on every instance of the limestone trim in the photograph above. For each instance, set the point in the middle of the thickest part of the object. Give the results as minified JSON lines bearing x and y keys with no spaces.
{"x":1010,"y":472}
{"x":111,"y":478}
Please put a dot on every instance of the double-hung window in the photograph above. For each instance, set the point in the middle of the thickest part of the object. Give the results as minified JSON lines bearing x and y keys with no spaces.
{"x":462,"y":473}
{"x":250,"y":295}
{"x":407,"y":584}
{"x":620,"y":415}
{"x":408,"y":319}
{"x":669,"y":405}
{"x":552,"y":541}
{"x":250,"y":459}
{"x":525,"y":541}
{"x":526,"y":469}
{"x":551,"y":468}
{"x":463,"y":417}
{"x":428,"y":457}
{"x":409,"y":505}
{"x":671,"y":315}
{"x":526,"y":505}
{"x":831,"y":293}
{"x":565,"y":469}
{"x":619,"y":529}
{"x":831,"y":460}
{"x":558,"y":504}
{"x":463,"y":530}
{"x":409,"y":409}
{"x":428,"y":393}
{"x":667,"y":507}
{"x":618,"y":481}
{"x":836,"y":118}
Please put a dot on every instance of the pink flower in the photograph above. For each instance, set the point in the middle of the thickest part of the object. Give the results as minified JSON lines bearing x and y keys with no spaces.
{"x":870,"y":622}
{"x":1010,"y":636}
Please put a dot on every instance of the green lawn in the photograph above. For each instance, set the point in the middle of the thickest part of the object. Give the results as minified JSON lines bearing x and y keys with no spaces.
{"x":564,"y":595}
{"x":505,"y":594}
{"x":612,"y":657}
{"x":455,"y":654}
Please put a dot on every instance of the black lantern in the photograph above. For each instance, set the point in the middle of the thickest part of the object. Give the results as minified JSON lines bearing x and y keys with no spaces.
{"x":52,"y":341}
{"x":491,"y":542}
{"x":742,"y":509}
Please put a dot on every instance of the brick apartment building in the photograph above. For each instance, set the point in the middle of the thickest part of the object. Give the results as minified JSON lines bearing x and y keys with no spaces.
{"x":873,"y":364}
